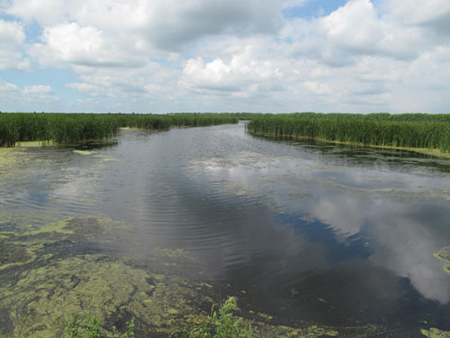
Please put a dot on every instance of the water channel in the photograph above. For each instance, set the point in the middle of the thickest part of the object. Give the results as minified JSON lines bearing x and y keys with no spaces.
{"x":346,"y":240}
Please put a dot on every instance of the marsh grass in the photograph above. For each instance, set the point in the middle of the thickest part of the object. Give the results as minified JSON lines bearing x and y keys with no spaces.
{"x":403,"y":130}
{"x":220,"y":323}
{"x":76,"y":326}
{"x":73,"y":326}
{"x":89,"y":327}
{"x":70,"y":129}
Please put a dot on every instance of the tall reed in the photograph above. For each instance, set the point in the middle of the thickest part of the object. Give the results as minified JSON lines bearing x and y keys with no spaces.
{"x":65,"y":129}
{"x":408,"y":130}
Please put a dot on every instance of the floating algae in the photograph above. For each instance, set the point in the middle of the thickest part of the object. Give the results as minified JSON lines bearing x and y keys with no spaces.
{"x":288,"y":332}
{"x":107,"y":288}
{"x":13,"y":162}
{"x":82,"y":228}
{"x":11,"y":254}
{"x":95,"y":154}
{"x":444,"y":256}
{"x":38,"y":171}
{"x":435,"y":333}
{"x":26,"y":243}
{"x":10,"y":157}
{"x":263,"y":329}
{"x":44,"y":281}
{"x":35,"y":144}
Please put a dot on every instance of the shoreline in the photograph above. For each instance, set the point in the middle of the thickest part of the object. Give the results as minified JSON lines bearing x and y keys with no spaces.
{"x":425,"y":151}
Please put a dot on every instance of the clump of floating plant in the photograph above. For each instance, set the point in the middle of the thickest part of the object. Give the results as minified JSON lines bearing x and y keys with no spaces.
{"x":69,"y":129}
{"x":402,"y":130}
{"x":444,"y":256}
{"x":435,"y":333}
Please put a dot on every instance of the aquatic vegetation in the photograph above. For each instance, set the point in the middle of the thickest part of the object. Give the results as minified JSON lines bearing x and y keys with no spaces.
{"x":219,"y":324}
{"x":40,"y":282}
{"x":308,"y":332}
{"x":89,"y":327}
{"x":376,"y":130}
{"x":109,"y":289}
{"x":11,"y":161}
{"x":444,"y":256}
{"x":78,"y":327}
{"x":435,"y":333}
{"x":27,"y":243}
{"x":69,"y":129}
{"x":94,"y":154}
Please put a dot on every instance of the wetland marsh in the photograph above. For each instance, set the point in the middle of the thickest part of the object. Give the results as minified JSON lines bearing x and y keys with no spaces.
{"x":314,"y":239}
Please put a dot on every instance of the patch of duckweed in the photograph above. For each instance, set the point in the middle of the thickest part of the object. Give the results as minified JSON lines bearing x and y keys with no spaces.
{"x":288,"y":332}
{"x":6,"y":235}
{"x":34,"y":144}
{"x":82,"y":228}
{"x":435,"y":333}
{"x":21,"y":254}
{"x":8,"y":157}
{"x":103,"y":158}
{"x":444,"y":256}
{"x":13,"y":222}
{"x":12,"y":254}
{"x":27,"y":242}
{"x":12,"y":162}
{"x":106,"y":158}
{"x":313,"y":331}
{"x":107,"y":288}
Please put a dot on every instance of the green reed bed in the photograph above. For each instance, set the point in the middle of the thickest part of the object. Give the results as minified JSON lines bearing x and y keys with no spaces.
{"x":65,"y":129}
{"x":404,"y":130}
{"x":370,"y":117}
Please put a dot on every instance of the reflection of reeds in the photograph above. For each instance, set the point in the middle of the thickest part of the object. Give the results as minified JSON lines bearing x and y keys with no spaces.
{"x":67,"y":129}
{"x":402,"y":130}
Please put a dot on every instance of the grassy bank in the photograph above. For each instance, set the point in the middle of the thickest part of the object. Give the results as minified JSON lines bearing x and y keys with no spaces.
{"x":64,"y":129}
{"x":404,"y":130}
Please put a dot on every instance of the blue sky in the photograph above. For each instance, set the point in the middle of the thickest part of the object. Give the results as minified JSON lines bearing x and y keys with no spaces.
{"x":313,"y":8}
{"x":210,"y":55}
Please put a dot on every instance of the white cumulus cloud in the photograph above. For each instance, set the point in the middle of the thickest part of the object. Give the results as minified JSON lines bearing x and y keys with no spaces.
{"x":12,"y":40}
{"x":243,"y":75}
{"x":29,"y":98}
{"x":385,"y":55}
{"x":73,"y":44}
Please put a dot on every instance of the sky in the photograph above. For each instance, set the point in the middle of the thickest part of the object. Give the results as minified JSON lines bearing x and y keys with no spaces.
{"x":274,"y":56}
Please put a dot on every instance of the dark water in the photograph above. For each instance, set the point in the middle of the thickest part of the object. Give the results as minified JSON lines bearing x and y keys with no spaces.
{"x":329,"y":234}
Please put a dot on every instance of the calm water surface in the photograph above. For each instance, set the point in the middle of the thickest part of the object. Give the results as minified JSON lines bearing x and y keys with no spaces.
{"x":330,"y":234}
